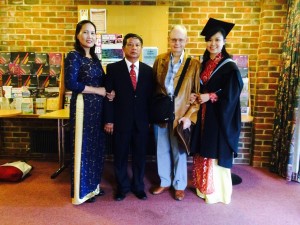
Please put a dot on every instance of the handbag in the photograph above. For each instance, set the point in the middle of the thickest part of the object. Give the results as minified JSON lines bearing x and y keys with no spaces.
{"x":162,"y":106}
{"x":162,"y":109}
{"x":184,"y":136}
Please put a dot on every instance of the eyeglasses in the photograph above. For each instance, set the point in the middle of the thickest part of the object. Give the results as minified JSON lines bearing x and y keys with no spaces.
{"x":174,"y":40}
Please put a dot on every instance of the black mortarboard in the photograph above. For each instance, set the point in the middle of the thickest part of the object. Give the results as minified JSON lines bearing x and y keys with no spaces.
{"x":213,"y":25}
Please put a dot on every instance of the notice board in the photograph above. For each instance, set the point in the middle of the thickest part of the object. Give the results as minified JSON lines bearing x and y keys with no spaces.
{"x":150,"y":22}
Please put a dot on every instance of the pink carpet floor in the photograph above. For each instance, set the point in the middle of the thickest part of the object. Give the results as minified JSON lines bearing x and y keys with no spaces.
{"x":262,"y":198}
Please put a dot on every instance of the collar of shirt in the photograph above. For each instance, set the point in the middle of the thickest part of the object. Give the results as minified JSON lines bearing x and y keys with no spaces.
{"x":136,"y":65}
{"x":180,"y":59}
{"x":172,"y":70}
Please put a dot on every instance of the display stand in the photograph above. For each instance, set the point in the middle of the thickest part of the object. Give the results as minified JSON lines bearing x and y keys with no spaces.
{"x":31,"y":82}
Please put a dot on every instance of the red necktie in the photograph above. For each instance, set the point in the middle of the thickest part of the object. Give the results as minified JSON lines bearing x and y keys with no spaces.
{"x":133,"y":76}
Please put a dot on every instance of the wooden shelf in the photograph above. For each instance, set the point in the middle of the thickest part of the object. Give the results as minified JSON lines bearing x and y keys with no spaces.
{"x":58,"y":114}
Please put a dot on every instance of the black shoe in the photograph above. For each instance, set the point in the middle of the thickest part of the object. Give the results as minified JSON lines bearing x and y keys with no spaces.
{"x":101,"y":193}
{"x":236,"y":179}
{"x":91,"y":200}
{"x":141,"y":195}
{"x":120,"y":196}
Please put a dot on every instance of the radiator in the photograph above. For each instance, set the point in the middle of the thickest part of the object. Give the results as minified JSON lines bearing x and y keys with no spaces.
{"x":43,"y":141}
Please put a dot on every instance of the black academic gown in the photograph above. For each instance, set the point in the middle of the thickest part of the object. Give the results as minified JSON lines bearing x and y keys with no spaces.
{"x":222,"y":125}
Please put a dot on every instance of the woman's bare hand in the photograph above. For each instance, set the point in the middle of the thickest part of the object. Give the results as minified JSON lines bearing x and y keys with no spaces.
{"x":193,"y":97}
{"x":203,"y":98}
{"x":111,"y":95}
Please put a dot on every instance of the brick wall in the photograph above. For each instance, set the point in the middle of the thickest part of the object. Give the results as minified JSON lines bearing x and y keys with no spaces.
{"x":265,"y":83}
{"x":48,"y":26}
{"x":245,"y":145}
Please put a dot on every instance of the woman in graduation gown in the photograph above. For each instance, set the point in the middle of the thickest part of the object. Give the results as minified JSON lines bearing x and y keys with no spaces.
{"x":216,"y":134}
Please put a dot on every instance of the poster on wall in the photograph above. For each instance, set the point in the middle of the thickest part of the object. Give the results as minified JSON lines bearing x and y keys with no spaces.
{"x":98,"y":47}
{"x":149,"y":55}
{"x":83,"y":14}
{"x":244,"y":97}
{"x":243,"y":65}
{"x":98,"y":17}
{"x":111,"y":48}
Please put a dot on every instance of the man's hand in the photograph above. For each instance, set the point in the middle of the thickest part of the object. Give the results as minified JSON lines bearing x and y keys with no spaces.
{"x":186,"y":122}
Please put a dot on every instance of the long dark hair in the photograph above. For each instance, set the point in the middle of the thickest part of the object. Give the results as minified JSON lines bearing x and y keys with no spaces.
{"x":77,"y":44}
{"x":206,"y":54}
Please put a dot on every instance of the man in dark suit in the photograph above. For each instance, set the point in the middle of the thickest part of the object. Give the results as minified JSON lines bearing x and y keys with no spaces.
{"x":127,"y":116}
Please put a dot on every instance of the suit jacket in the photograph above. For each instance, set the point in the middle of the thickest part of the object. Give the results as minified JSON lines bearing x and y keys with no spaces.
{"x":129,"y":108}
{"x":190,"y":84}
